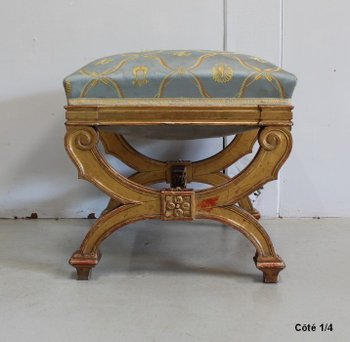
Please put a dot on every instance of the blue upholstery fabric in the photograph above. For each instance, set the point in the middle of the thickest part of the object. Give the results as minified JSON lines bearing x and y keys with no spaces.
{"x":189,"y":74}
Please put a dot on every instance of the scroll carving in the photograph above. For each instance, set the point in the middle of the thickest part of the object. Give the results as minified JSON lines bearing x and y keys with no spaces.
{"x":85,"y":138}
{"x":271,"y":137}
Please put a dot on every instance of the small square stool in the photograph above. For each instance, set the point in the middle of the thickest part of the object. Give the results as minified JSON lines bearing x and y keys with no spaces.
{"x":187,"y":94}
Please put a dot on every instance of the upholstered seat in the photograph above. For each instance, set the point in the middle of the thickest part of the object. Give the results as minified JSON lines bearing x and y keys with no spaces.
{"x":180,"y":76}
{"x":191,"y":78}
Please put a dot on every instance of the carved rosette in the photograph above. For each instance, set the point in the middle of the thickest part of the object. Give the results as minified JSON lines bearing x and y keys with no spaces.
{"x":177,"y":205}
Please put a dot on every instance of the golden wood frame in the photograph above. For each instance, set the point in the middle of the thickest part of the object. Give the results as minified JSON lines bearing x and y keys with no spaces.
{"x":132,"y":200}
{"x":208,"y":171}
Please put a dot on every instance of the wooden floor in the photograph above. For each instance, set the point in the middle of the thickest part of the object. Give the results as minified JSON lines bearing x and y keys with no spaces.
{"x":173,"y":282}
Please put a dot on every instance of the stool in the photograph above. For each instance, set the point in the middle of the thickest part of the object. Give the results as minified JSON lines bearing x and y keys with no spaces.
{"x":187,"y":94}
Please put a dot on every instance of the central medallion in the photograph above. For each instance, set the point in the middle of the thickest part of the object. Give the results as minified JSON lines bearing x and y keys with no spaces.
{"x":177,"y":204}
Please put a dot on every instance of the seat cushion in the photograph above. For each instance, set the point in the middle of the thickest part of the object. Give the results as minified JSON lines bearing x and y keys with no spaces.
{"x":190,"y":76}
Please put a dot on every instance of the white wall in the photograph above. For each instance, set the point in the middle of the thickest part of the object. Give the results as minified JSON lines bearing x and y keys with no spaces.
{"x":43,"y":41}
{"x":316,"y":179}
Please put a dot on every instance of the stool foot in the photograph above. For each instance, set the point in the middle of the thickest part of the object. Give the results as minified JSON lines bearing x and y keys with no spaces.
{"x":84,"y":263}
{"x":270,"y":266}
{"x":83,"y":273}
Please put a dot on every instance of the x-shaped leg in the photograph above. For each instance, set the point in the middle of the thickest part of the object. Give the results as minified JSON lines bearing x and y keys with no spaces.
{"x":138,"y":202}
{"x":207,"y":171}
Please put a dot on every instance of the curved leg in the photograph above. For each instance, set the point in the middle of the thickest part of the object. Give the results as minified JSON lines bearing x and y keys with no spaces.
{"x":246,"y":204}
{"x":240,"y":146}
{"x":89,"y":255}
{"x":116,"y":145}
{"x":265,"y":258}
{"x":207,"y":171}
{"x":212,"y":179}
{"x":81,"y":146}
{"x":217,"y":203}
{"x":275,"y":146}
{"x":219,"y":178}
{"x":135,"y":202}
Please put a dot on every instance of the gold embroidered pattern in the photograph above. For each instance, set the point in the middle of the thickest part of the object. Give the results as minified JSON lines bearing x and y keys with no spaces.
{"x":140,"y":74}
{"x":181,"y":53}
{"x":101,"y":77}
{"x":222,"y":73}
{"x":181,"y":70}
{"x":104,"y":61}
{"x":260,"y":74}
{"x":67,"y":84}
{"x":235,"y":72}
{"x":258,"y":59}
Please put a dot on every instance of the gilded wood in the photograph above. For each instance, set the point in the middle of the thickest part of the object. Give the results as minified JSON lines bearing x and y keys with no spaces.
{"x":265,"y":258}
{"x":81,"y":145}
{"x":115,"y":219}
{"x":246,"y":204}
{"x":179,"y":115}
{"x":275,"y":145}
{"x":89,"y":255}
{"x":117,"y":146}
{"x":208,"y":171}
{"x":241,"y":145}
{"x":177,"y":205}
{"x":133,"y":201}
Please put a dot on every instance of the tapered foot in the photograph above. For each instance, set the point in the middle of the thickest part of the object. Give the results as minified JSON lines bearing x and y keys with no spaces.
{"x":84,"y":263}
{"x":83,"y":273}
{"x":270,"y":266}
{"x":271,"y":275}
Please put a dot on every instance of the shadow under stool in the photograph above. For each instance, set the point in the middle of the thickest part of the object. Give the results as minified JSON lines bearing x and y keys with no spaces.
{"x":190,"y":94}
